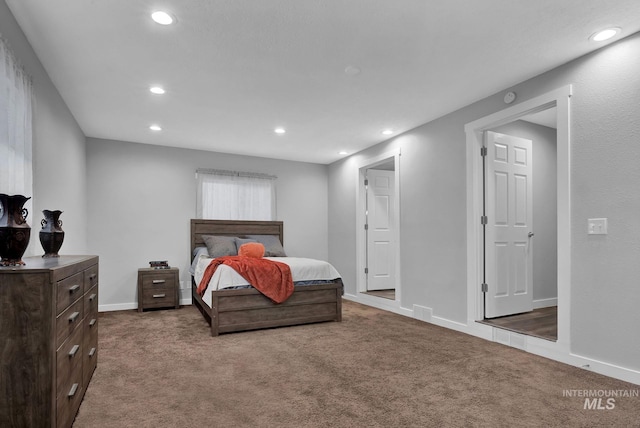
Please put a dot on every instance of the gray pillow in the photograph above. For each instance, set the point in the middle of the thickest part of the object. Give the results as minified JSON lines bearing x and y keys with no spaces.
{"x":219,"y":246}
{"x":272,"y":245}
{"x":240,"y":241}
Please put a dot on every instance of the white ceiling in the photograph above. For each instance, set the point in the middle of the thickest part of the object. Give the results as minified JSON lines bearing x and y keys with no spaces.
{"x":236,"y":69}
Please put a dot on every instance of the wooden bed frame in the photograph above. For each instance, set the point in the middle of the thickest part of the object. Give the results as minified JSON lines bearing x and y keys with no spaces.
{"x":247,"y":309}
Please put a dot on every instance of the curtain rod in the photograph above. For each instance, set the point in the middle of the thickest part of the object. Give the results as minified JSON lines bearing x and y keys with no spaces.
{"x":235,"y":173}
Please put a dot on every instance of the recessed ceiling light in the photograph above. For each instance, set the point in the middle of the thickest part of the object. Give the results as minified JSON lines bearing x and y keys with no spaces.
{"x":155,"y":128}
{"x":157,"y":90}
{"x":343,"y":153}
{"x":279,"y":130}
{"x":606,"y":34}
{"x":162,"y":17}
{"x":387,"y":132}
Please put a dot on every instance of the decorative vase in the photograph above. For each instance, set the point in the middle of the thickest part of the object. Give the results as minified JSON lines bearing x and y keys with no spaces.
{"x":14,"y":230}
{"x":51,"y":235}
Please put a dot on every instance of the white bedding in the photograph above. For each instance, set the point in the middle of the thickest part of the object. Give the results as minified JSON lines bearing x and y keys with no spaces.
{"x":302,"y":269}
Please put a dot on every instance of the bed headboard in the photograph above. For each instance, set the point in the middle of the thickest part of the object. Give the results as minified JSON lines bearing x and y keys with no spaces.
{"x":201,"y":227}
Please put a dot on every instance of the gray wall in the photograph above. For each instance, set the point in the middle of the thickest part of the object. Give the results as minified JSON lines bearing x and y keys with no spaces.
{"x":127,"y":218}
{"x":141,"y":198}
{"x":605,"y":130}
{"x":545,"y":207}
{"x":59,"y":164}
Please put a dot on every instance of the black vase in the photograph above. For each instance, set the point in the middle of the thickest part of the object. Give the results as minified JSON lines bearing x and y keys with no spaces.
{"x":51,"y":235}
{"x":14,"y":230}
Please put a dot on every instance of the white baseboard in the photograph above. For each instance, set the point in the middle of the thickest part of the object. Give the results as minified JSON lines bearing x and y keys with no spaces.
{"x":185,"y":299}
{"x":545,"y":303}
{"x":118,"y":307}
{"x":380,"y":303}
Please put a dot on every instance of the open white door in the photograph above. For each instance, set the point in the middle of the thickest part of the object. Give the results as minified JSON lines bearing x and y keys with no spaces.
{"x":509,"y":229}
{"x":380,"y":231}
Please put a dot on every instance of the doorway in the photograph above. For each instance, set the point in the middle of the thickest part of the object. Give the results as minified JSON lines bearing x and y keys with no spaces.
{"x":559,"y":99}
{"x":378,"y":229}
{"x":521,"y":228}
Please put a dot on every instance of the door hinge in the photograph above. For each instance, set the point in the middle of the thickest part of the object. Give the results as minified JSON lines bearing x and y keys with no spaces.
{"x":485,"y":287}
{"x":484,"y":220}
{"x":366,"y":270}
{"x":366,"y":182}
{"x":366,"y":226}
{"x":483,"y":151}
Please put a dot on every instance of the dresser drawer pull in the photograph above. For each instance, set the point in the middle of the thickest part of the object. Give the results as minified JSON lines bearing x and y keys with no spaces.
{"x":92,"y":276}
{"x":92,"y":322}
{"x":158,"y":296}
{"x":159,"y":281}
{"x":92,"y":352}
{"x":93,"y":296}
{"x":73,"y":390}
{"x":74,"y":316}
{"x":73,"y":351}
{"x":74,"y":288}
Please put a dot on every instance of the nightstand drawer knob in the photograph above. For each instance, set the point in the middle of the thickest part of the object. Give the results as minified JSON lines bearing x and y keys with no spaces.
{"x":73,"y":351}
{"x":159,"y":296}
{"x":159,"y":281}
{"x":74,"y":288}
{"x":73,"y":390}
{"x":74,"y":316}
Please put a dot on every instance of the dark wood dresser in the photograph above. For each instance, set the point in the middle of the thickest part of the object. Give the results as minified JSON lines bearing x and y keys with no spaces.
{"x":48,"y":339}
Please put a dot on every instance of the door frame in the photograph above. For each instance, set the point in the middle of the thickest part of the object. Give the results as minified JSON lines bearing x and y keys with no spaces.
{"x":361,"y":237}
{"x":560,"y":98}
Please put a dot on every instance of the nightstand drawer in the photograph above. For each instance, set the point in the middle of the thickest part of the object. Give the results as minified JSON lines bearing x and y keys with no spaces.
{"x":159,"y":297}
{"x":158,"y":280}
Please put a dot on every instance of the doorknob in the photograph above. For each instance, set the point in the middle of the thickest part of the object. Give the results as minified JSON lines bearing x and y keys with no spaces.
{"x":530,"y":234}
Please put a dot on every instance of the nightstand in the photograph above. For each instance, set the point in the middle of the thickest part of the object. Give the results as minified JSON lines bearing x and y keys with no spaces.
{"x":158,"y":288}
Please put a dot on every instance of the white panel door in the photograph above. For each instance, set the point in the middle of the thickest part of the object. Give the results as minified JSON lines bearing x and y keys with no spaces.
{"x":509,"y":229}
{"x":380,"y":234}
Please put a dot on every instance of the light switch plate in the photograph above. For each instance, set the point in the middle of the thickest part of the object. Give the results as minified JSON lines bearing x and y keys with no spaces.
{"x":597,"y":226}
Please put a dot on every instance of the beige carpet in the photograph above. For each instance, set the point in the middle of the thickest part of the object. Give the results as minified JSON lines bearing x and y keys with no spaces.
{"x":375,"y":369}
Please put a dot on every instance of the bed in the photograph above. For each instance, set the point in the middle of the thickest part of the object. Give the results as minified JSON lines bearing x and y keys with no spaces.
{"x":241,"y":309}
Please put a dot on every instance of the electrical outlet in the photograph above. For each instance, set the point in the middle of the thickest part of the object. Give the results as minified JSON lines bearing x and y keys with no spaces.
{"x":597,"y":226}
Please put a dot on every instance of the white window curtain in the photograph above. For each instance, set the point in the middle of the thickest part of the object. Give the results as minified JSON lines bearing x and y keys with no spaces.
{"x":15,"y":126}
{"x":230,"y":195}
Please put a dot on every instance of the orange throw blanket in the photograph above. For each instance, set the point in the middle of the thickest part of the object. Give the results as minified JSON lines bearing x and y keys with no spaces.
{"x":273,"y":279}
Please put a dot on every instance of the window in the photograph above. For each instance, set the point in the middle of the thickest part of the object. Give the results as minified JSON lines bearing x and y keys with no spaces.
{"x":229,"y":195}
{"x":15,"y":125}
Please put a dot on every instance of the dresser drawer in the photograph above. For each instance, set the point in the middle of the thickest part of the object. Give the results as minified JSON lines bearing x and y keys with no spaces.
{"x":90,"y":348}
{"x":68,"y":401}
{"x":68,"y":321}
{"x":91,"y":302}
{"x":69,"y":362}
{"x":68,"y":290}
